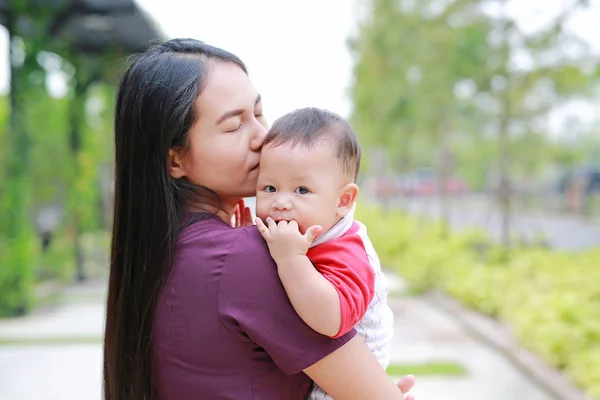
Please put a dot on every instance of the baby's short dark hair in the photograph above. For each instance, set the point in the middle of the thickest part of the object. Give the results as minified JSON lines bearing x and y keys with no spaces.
{"x":311,"y":126}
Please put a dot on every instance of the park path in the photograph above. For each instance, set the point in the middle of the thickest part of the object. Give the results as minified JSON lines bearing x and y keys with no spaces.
{"x":56,"y":352}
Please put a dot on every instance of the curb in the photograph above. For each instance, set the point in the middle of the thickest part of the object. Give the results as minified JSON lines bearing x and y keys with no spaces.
{"x":498,"y":336}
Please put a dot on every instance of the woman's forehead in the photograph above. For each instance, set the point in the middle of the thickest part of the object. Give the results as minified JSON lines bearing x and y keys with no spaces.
{"x":227,"y":88}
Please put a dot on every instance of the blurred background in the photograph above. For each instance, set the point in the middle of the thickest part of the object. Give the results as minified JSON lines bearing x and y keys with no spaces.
{"x":480,"y":182}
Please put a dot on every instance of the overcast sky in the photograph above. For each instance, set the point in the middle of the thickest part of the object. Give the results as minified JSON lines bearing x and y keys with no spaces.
{"x":296,"y":51}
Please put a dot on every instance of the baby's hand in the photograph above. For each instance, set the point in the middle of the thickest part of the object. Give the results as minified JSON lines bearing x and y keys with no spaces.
{"x":284,"y":238}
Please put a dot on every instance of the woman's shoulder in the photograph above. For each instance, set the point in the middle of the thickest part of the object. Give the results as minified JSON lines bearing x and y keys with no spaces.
{"x":212,"y":229}
{"x":233,"y":249}
{"x":251,"y":241}
{"x":253,"y":302}
{"x":247,"y":266}
{"x":249,"y":253}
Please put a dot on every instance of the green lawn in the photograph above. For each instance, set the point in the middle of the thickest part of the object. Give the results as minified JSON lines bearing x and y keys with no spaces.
{"x":50,"y":341}
{"x":432,"y":368}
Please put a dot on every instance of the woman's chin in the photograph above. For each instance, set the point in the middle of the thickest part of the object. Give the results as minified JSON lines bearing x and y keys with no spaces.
{"x":250,"y":192}
{"x":249,"y":187}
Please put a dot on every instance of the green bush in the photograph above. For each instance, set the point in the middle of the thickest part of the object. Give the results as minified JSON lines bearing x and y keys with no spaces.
{"x":550,"y":299}
{"x":16,"y":275}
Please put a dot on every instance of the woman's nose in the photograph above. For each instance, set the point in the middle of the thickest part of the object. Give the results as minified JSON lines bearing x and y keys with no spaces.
{"x":258,"y":136}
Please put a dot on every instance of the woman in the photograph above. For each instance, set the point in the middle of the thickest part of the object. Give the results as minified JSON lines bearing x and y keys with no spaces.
{"x":195,"y":307}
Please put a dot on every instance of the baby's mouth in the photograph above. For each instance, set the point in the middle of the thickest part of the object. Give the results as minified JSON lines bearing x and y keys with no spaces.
{"x":279,"y":219}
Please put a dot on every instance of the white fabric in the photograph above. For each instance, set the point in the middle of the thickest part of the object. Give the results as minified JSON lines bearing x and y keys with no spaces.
{"x":376,"y":326}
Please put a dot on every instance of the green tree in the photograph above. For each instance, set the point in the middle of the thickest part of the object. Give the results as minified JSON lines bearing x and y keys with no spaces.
{"x":436,"y":80}
{"x":410,"y":58}
{"x":52,"y":153}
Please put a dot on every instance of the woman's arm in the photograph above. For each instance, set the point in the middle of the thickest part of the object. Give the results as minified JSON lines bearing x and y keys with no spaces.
{"x":352,"y":372}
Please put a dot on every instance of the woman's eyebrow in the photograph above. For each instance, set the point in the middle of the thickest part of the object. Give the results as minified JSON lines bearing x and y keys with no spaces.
{"x":229,"y":114}
{"x":235,"y":113}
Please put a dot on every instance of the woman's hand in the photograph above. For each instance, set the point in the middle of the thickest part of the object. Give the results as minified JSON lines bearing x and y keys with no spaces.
{"x":242,"y":216}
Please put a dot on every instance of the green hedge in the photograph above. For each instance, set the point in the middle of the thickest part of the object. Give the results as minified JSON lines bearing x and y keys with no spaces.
{"x":23,"y":266}
{"x":550,"y":299}
{"x":16,"y":275}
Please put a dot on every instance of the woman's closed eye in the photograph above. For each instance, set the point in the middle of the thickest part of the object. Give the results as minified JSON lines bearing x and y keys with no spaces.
{"x":236,"y":129}
{"x":258,"y":111}
{"x":301,"y":190}
{"x":259,"y":117}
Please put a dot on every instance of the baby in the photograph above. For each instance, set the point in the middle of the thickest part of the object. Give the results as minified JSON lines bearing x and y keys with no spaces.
{"x":306,"y":196}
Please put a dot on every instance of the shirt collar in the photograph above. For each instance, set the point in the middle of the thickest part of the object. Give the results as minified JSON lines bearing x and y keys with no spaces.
{"x":337,"y":230}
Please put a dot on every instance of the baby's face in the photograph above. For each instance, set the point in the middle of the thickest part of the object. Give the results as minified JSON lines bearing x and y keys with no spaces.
{"x":299,"y":184}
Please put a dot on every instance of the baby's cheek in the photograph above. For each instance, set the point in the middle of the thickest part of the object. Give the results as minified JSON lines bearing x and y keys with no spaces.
{"x":304,"y":223}
{"x":261,"y":208}
{"x":302,"y":228}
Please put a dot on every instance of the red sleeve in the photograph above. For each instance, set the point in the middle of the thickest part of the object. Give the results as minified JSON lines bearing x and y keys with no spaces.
{"x":344,"y":263}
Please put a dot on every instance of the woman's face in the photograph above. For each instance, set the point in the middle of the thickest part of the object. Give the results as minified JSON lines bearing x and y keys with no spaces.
{"x":225,"y":141}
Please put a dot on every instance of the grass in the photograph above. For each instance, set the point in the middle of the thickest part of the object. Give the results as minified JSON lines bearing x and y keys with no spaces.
{"x":430,"y":368}
{"x":50,"y":341}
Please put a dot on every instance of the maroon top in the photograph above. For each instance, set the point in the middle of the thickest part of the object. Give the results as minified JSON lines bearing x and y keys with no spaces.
{"x":224,"y":327}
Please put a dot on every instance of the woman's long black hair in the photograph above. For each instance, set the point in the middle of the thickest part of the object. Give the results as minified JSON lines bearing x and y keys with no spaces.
{"x":154,"y":112}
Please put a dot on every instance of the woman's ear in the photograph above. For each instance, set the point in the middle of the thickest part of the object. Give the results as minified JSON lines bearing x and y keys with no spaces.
{"x":348,"y":196}
{"x":175,"y":164}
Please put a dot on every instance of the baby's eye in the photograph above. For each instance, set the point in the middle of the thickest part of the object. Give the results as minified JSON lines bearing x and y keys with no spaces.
{"x":270,"y":189}
{"x":301,"y":190}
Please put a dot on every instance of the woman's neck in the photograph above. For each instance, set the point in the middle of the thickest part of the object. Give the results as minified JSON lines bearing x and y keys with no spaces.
{"x":223,"y":210}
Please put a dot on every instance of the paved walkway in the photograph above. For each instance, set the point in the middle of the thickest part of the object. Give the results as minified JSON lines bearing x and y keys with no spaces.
{"x":59,"y":356}
{"x":425,"y":334}
{"x":57,"y":353}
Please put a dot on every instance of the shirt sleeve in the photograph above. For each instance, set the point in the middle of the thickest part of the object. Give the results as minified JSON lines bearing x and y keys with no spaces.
{"x":344,"y":263}
{"x":253,"y":300}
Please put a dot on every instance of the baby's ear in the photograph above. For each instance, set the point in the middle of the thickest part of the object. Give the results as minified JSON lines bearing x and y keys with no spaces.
{"x":348,"y":195}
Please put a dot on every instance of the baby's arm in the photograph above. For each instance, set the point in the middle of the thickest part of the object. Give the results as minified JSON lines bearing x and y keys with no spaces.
{"x":345,"y":264}
{"x":313,"y":297}
{"x":332,"y":297}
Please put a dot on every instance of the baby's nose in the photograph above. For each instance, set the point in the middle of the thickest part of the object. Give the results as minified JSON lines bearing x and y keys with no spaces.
{"x":282,"y":204}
